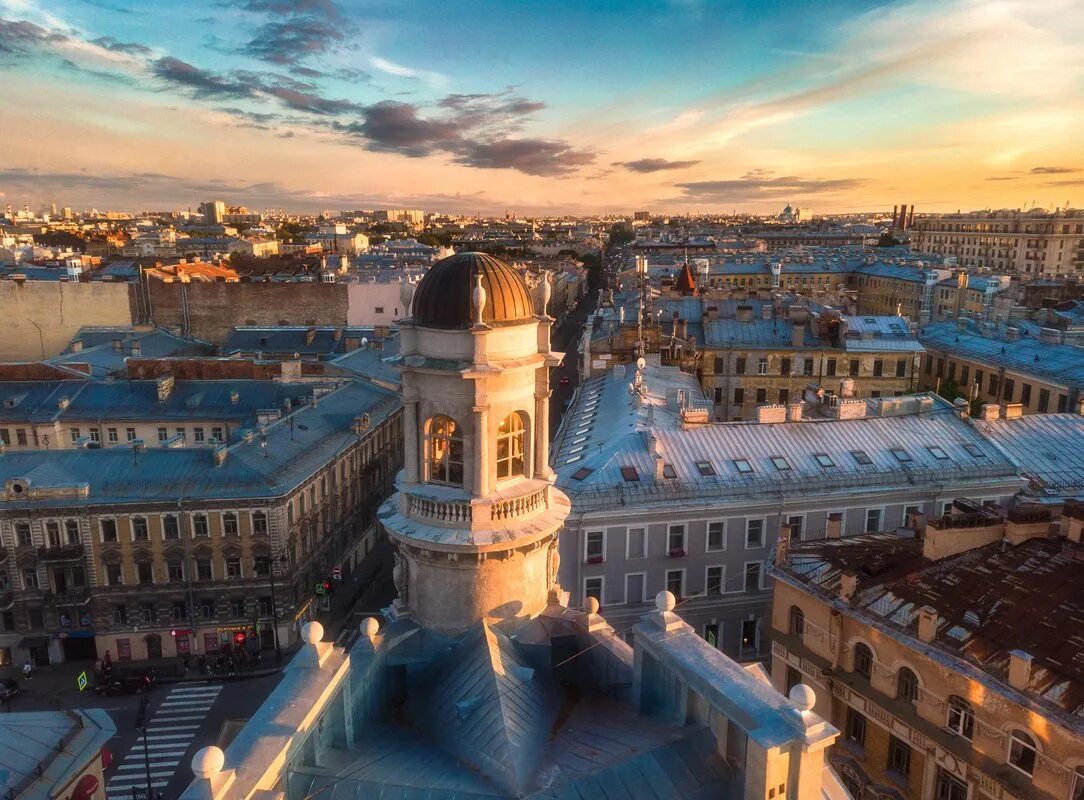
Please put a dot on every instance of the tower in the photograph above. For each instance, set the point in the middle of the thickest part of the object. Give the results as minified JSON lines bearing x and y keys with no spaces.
{"x":475,"y":516}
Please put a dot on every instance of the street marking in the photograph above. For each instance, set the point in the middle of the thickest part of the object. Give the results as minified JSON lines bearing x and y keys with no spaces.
{"x":169,"y":717}
{"x":170,"y":745}
{"x":153,"y":765}
{"x":156,"y":728}
{"x":138,"y":779}
{"x":166,"y":736}
{"x":185,"y":705}
{"x":193,"y":689}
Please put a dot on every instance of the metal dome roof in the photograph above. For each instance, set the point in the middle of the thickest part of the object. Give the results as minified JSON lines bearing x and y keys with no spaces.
{"x":443,"y":297}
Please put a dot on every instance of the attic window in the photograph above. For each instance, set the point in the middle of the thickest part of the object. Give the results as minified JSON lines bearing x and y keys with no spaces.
{"x":938,"y":453}
{"x":581,"y":473}
{"x":630,"y":474}
{"x":706,"y":469}
{"x":901,"y":455}
{"x":974,"y":450}
{"x":743,"y":466}
{"x":861,"y":457}
{"x":824,"y":460}
{"x":780,"y":463}
{"x":668,"y":471}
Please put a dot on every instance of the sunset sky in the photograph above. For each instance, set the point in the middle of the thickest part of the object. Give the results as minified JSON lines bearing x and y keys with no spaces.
{"x":542,"y":107}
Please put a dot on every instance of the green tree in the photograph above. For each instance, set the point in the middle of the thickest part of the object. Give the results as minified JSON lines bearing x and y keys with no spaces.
{"x":887,"y":240}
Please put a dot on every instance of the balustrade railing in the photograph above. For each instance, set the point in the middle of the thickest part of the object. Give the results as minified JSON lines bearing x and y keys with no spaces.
{"x":454,"y":511}
{"x":518,"y":506}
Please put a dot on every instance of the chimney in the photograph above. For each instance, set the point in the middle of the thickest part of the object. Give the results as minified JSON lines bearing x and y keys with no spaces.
{"x":1012,"y":410}
{"x":220,"y":451}
{"x":797,"y":334}
{"x":927,"y":624}
{"x":1080,"y":407}
{"x":63,"y":403}
{"x":834,"y":526}
{"x":794,"y":412}
{"x":771,"y":413}
{"x":848,"y":586}
{"x":1072,"y":521}
{"x":164,"y":385}
{"x":660,"y":466}
{"x":1019,"y":670}
{"x":1012,"y":333}
{"x":990,"y":411}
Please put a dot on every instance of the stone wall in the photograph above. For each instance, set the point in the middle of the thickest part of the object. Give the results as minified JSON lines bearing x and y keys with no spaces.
{"x":38,"y":318}
{"x":209,"y":310}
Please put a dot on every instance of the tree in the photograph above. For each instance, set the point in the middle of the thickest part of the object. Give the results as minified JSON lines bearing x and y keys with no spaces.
{"x":950,"y":390}
{"x":887,"y":240}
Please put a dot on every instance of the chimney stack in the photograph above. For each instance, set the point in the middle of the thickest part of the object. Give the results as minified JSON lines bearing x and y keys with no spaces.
{"x":797,"y":334}
{"x":834,"y":526}
{"x":848,"y":586}
{"x":927,"y":624}
{"x":1019,"y":669}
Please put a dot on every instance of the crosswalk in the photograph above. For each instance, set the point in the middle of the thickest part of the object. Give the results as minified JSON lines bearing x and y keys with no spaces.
{"x":169,"y":736}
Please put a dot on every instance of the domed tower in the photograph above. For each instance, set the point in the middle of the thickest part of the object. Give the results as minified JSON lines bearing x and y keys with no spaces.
{"x":476,"y":515}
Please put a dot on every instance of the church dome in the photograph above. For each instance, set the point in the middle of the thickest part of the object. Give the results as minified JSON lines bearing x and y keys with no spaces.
{"x":443,"y":297}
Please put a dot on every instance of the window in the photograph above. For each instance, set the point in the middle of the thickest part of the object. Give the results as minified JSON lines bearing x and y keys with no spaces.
{"x":780,"y":463}
{"x":265,"y":606}
{"x":762,"y":396}
{"x":784,"y":396}
{"x":762,"y":366}
{"x":163,"y":434}
{"x":907,"y":685}
{"x":175,"y":569}
{"x":705,"y":468}
{"x":630,"y":474}
{"x":750,"y":636}
{"x":856,"y":727}
{"x":938,"y":453}
{"x":199,"y":525}
{"x":739,"y":365}
{"x":754,"y":534}
{"x":592,"y":587}
{"x":794,"y":677}
{"x":964,"y":374}
{"x":229,"y":524}
{"x":444,"y":451}
{"x":949,"y":787}
{"x":974,"y":451}
{"x":218,"y":434}
{"x":1025,"y":394}
{"x":878,"y":368}
{"x":204,"y":569}
{"x":742,"y":466}
{"x":179,"y":610}
{"x":739,"y":396}
{"x":899,"y":757}
{"x":675,"y":582}
{"x":796,"y":622}
{"x":1063,"y":403}
{"x":863,"y":661}
{"x":74,"y":432}
{"x":854,"y":367}
{"x":139,"y":529}
{"x":716,"y":536}
{"x":961,"y":718}
{"x":713,"y":580}
{"x":23,"y":535}
{"x":112,"y":435}
{"x":901,"y":455}
{"x":120,"y":615}
{"x":511,"y":438}
{"x":830,"y":367}
{"x":807,"y":367}
{"x":873,"y":520}
{"x":170,"y":529}
{"x":675,"y":540}
{"x":259,"y":523}
{"x":861,"y":458}
{"x":636,"y":543}
{"x":237,"y":606}
{"x":149,"y":612}
{"x":5,"y":437}
{"x":113,"y":575}
{"x":30,"y":579}
{"x":1044,"y":400}
{"x":824,"y":460}
{"x":109,"y":530}
{"x":752,"y":576}
{"x":52,"y":534}
{"x":181,"y":434}
{"x":594,"y":551}
{"x":144,"y":572}
{"x":784,"y":366}
{"x":206,"y":608}
{"x":20,"y":436}
{"x":71,"y":530}
{"x":901,"y":368}
{"x":1022,"y":751}
{"x":197,"y":435}
{"x":1077,"y":792}
{"x":261,"y":566}
{"x":130,"y":434}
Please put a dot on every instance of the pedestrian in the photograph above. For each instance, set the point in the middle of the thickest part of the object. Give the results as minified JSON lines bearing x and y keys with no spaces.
{"x":28,"y":670}
{"x":107,"y":663}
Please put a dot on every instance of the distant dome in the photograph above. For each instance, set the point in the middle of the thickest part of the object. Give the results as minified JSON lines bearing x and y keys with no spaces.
{"x":443,"y":296}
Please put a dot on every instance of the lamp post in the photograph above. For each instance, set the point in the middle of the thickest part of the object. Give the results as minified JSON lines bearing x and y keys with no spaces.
{"x":275,"y":606}
{"x":141,"y":725}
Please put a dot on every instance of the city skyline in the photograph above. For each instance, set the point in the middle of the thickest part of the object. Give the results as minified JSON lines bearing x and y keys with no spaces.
{"x":681,"y":106}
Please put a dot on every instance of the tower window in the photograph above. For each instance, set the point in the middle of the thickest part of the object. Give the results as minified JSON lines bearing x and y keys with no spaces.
{"x":444,"y":451}
{"x":510,"y":447}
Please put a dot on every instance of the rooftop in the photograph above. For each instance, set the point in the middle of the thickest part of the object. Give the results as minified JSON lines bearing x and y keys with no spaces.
{"x":30,"y":738}
{"x":1049,"y":449}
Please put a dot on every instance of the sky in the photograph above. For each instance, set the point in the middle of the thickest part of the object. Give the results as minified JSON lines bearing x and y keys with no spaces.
{"x":671,"y":106}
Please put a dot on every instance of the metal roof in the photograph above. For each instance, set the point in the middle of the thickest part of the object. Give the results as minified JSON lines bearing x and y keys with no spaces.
{"x":1056,"y":363}
{"x":1048,"y":447}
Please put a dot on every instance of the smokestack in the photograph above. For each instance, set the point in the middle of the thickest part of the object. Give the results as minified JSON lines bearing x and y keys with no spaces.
{"x":895,"y":215}
{"x":911,"y":217}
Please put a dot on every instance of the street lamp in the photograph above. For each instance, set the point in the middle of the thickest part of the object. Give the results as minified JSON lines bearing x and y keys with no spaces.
{"x":281,"y":557}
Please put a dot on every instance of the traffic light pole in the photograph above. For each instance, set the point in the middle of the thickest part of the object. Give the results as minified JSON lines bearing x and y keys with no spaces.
{"x":141,"y":723}
{"x":275,"y":613}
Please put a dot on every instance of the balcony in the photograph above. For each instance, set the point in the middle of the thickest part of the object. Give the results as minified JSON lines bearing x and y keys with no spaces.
{"x":64,"y":552}
{"x":72,"y":597}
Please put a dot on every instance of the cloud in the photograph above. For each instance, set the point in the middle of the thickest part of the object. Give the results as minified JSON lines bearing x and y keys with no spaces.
{"x":394,"y":127}
{"x":291,"y":40}
{"x":1052,"y":170}
{"x":647,"y":165}
{"x":317,"y":8}
{"x":131,"y":48}
{"x":531,"y":156}
{"x":203,"y":83}
{"x":400,"y":71}
{"x":754,"y":189}
{"x":20,"y":38}
{"x":1004,"y":178}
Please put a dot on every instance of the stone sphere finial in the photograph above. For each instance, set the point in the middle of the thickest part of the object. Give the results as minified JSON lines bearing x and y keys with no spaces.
{"x":665,"y":601}
{"x":803,"y":697}
{"x":208,"y":762}
{"x":590,"y":605}
{"x":370,"y":626}
{"x":312,"y":632}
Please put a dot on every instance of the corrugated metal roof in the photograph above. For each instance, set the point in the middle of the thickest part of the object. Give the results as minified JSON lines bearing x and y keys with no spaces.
{"x":1056,"y":363}
{"x":1048,"y":447}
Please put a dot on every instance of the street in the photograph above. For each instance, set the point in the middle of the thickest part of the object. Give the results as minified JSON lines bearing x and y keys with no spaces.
{"x":566,"y":338}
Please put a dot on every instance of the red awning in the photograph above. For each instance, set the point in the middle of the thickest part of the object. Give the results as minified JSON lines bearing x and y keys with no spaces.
{"x":86,"y":788}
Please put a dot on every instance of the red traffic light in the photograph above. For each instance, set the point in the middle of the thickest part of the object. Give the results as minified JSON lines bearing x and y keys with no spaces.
{"x":327,"y":584}
{"x":239,"y":637}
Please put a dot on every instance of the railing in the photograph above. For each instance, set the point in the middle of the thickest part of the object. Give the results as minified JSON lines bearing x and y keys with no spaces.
{"x":518,"y":506}
{"x":454,"y":511}
{"x":64,"y":552}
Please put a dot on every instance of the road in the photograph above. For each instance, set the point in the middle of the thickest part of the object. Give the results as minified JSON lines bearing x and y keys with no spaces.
{"x":565,"y":338}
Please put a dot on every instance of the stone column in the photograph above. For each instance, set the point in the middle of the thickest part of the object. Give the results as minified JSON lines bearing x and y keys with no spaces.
{"x":480,"y":467}
{"x":541,"y":435}
{"x":410,"y":435}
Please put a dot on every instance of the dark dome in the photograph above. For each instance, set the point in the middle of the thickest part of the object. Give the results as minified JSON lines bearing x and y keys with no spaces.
{"x":443,"y":297}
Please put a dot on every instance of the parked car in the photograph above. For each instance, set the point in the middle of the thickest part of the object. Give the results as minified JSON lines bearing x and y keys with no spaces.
{"x":128,"y":683}
{"x":9,"y":687}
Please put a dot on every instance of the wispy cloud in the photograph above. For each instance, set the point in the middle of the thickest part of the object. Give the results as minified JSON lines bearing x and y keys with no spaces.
{"x":748,"y":189}
{"x":1053,"y":170}
{"x":647,"y":165}
{"x":434,"y":79}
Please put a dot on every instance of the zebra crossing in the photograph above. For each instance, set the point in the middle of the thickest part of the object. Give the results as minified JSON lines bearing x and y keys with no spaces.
{"x":169,"y":736}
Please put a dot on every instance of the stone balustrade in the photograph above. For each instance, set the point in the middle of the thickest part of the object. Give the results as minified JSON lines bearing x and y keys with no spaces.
{"x":443,"y":511}
{"x":518,"y":506}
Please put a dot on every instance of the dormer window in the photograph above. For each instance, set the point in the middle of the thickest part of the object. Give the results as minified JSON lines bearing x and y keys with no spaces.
{"x":444,"y":451}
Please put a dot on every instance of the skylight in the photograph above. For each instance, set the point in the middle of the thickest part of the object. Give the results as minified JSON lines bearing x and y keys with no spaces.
{"x":861,"y":457}
{"x":581,"y":473}
{"x":630,"y":474}
{"x":706,"y":468}
{"x":668,"y":471}
{"x":824,"y":460}
{"x":780,"y":463}
{"x":901,"y":455}
{"x":974,"y":450}
{"x":743,"y":465}
{"x":938,"y":453}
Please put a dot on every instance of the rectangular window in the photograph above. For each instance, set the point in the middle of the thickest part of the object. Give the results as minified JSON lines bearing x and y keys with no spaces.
{"x":938,"y":453}
{"x":856,"y":727}
{"x":901,"y":368}
{"x":878,"y":368}
{"x":163,"y":434}
{"x":52,"y":534}
{"x":109,"y":529}
{"x":719,"y":366}
{"x":754,"y":534}
{"x":175,"y":570}
{"x":265,"y":606}
{"x":949,"y":787}
{"x":739,"y":368}
{"x":181,"y":434}
{"x":144,"y":572}
{"x":206,"y":609}
{"x":1044,"y":400}
{"x":95,"y":435}
{"x":964,"y":375}
{"x":739,"y":396}
{"x":229,"y":524}
{"x":675,"y":582}
{"x":854,"y":367}
{"x":149,"y":612}
{"x":5,"y":437}
{"x":784,"y":396}
{"x":1007,"y":389}
{"x":261,"y":566}
{"x":1025,"y":394}
{"x":780,"y":463}
{"x":750,"y":637}
{"x":636,"y":543}
{"x":807,"y":366}
{"x":218,"y":434}
{"x":179,"y":610}
{"x":204,"y":569}
{"x":705,"y":468}
{"x":199,"y":525}
{"x":743,"y":466}
{"x":74,"y":434}
{"x":112,"y":435}
{"x":762,"y":366}
{"x":237,"y":607}
{"x":170,"y":528}
{"x":30,"y":579}
{"x":784,"y":366}
{"x":113,"y":575}
{"x":752,"y":576}
{"x":762,"y":396}
{"x":901,"y":455}
{"x":120,"y":615}
{"x":594,"y":552}
{"x":22,"y":534}
{"x":899,"y":757}
{"x":592,"y":587}
{"x":873,"y":520}
{"x":139,"y":529}
{"x":993,"y":385}
{"x":1063,"y":403}
{"x":830,"y":367}
{"x":197,"y":435}
{"x":71,"y":531}
{"x":130,"y":434}
{"x":716,"y":536}
{"x":259,"y":523}
{"x":713,"y":580}
{"x":675,"y":542}
{"x":20,"y":437}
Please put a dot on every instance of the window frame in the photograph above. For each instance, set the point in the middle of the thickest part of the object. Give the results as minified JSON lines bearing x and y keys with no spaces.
{"x":666,"y":582}
{"x":600,"y":557}
{"x":1027,"y":744}
{"x":628,"y":542}
{"x":745,"y":576}
{"x":721,"y":589}
{"x":862,"y":665}
{"x":763,"y":532}
{"x":722,"y":536}
{"x":517,"y":431}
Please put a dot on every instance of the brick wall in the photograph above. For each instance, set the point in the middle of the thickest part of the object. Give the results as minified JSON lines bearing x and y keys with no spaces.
{"x":39,"y":317}
{"x":209,"y":310}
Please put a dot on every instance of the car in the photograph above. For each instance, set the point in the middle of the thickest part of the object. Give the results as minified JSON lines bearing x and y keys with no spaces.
{"x":9,"y":687}
{"x":126,"y":683}
{"x":565,"y":381}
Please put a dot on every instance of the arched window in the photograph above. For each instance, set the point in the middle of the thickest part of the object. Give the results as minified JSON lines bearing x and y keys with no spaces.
{"x":863,"y":661}
{"x":1022,"y":751}
{"x":510,"y":447}
{"x":961,"y":718}
{"x":444,"y":451}
{"x":907,"y":685}
{"x":797,"y":622}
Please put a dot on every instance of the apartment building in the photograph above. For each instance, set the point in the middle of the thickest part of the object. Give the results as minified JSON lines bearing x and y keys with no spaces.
{"x":1021,"y":366}
{"x":1035,"y":242}
{"x":154,"y":551}
{"x":945,"y":652}
{"x":663,"y":497}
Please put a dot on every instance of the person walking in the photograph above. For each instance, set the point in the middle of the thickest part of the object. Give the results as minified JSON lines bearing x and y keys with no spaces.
{"x":28,"y":670}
